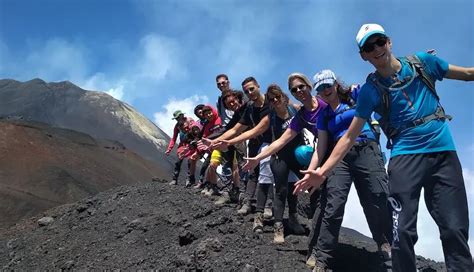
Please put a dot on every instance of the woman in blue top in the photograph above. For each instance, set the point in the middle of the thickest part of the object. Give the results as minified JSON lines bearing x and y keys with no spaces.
{"x":363,"y":165}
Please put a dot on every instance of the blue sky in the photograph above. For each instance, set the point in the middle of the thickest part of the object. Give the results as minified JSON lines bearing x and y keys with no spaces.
{"x":160,"y":56}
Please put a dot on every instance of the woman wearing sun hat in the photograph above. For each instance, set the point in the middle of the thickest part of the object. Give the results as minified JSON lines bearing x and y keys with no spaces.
{"x":182,"y":123}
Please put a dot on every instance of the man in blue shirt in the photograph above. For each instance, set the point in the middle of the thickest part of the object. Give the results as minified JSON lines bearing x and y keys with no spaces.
{"x":423,"y":153}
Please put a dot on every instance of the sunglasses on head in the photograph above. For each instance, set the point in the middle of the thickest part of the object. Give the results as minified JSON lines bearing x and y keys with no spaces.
{"x":323,"y":87}
{"x":369,"y":47}
{"x":301,"y":87}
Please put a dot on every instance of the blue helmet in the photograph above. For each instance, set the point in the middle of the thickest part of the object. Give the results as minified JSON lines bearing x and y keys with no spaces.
{"x":303,"y":154}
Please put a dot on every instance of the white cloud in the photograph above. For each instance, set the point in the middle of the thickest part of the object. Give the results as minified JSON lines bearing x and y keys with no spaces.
{"x":99,"y":82}
{"x":116,"y":93}
{"x":163,"y":118}
{"x":57,"y":59}
{"x":159,"y":58}
{"x":220,"y":43}
{"x":158,"y":61}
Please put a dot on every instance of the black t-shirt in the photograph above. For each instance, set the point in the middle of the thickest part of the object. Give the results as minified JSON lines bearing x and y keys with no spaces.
{"x":236,"y":117}
{"x":279,"y":125}
{"x":253,"y":115}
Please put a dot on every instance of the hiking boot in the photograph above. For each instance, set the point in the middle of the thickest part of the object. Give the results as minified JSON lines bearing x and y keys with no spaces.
{"x":267,"y":213}
{"x":294,"y":225}
{"x":245,"y":209}
{"x":204,"y":191}
{"x":173,"y":182}
{"x":234,"y":194}
{"x":258,"y":223}
{"x":319,"y":267}
{"x":279,"y":236}
{"x":188,"y":183}
{"x":311,"y":261}
{"x":385,"y":251}
{"x":213,"y":191}
{"x":223,"y":199}
{"x":198,"y":185}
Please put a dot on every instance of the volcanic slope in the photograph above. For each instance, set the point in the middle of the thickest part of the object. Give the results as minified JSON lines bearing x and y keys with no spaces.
{"x":65,"y":105}
{"x":42,"y":167}
{"x":158,"y":226}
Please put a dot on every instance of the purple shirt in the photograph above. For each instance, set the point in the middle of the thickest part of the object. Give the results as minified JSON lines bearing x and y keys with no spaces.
{"x":308,"y":120}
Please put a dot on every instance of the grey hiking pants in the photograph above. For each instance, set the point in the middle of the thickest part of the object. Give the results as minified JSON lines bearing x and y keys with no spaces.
{"x":364,"y":166}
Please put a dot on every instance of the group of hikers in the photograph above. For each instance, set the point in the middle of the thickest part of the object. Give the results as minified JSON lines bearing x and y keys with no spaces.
{"x":255,"y":144}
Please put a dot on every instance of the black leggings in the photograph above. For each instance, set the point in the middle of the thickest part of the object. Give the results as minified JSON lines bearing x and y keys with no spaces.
{"x":264,"y":193}
{"x":281,"y":167}
{"x":177,"y":168}
{"x":251,"y":182}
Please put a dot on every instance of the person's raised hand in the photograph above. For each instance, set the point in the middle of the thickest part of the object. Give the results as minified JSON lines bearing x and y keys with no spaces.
{"x":311,"y":181}
{"x":250,"y":164}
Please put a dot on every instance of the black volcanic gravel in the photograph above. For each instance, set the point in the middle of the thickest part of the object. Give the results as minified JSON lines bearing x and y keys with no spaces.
{"x":158,"y":226}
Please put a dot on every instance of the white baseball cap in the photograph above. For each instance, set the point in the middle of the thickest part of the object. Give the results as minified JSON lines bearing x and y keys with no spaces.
{"x":366,"y":31}
{"x":323,"y":77}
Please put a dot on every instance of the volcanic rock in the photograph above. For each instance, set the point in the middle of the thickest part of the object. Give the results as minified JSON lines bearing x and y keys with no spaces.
{"x":153,"y":226}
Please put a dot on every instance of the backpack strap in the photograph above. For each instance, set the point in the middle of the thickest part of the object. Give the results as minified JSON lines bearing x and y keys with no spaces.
{"x":423,"y":74}
{"x":273,"y":124}
{"x":291,"y":112}
{"x":384,"y":110}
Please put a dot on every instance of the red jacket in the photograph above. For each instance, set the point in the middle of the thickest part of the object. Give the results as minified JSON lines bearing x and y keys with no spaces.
{"x":214,"y":126}
{"x":176,"y":132}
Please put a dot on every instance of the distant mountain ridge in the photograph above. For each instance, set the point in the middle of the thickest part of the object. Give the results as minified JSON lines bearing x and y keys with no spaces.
{"x":65,"y":105}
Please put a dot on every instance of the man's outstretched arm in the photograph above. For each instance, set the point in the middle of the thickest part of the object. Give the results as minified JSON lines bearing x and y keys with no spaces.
{"x":460,"y":73}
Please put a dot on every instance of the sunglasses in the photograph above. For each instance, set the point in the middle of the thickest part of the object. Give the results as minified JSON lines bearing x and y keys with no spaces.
{"x":248,"y":90}
{"x":222,"y":83}
{"x":275,"y":98}
{"x":323,"y":87}
{"x":301,"y":87}
{"x":369,"y":47}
